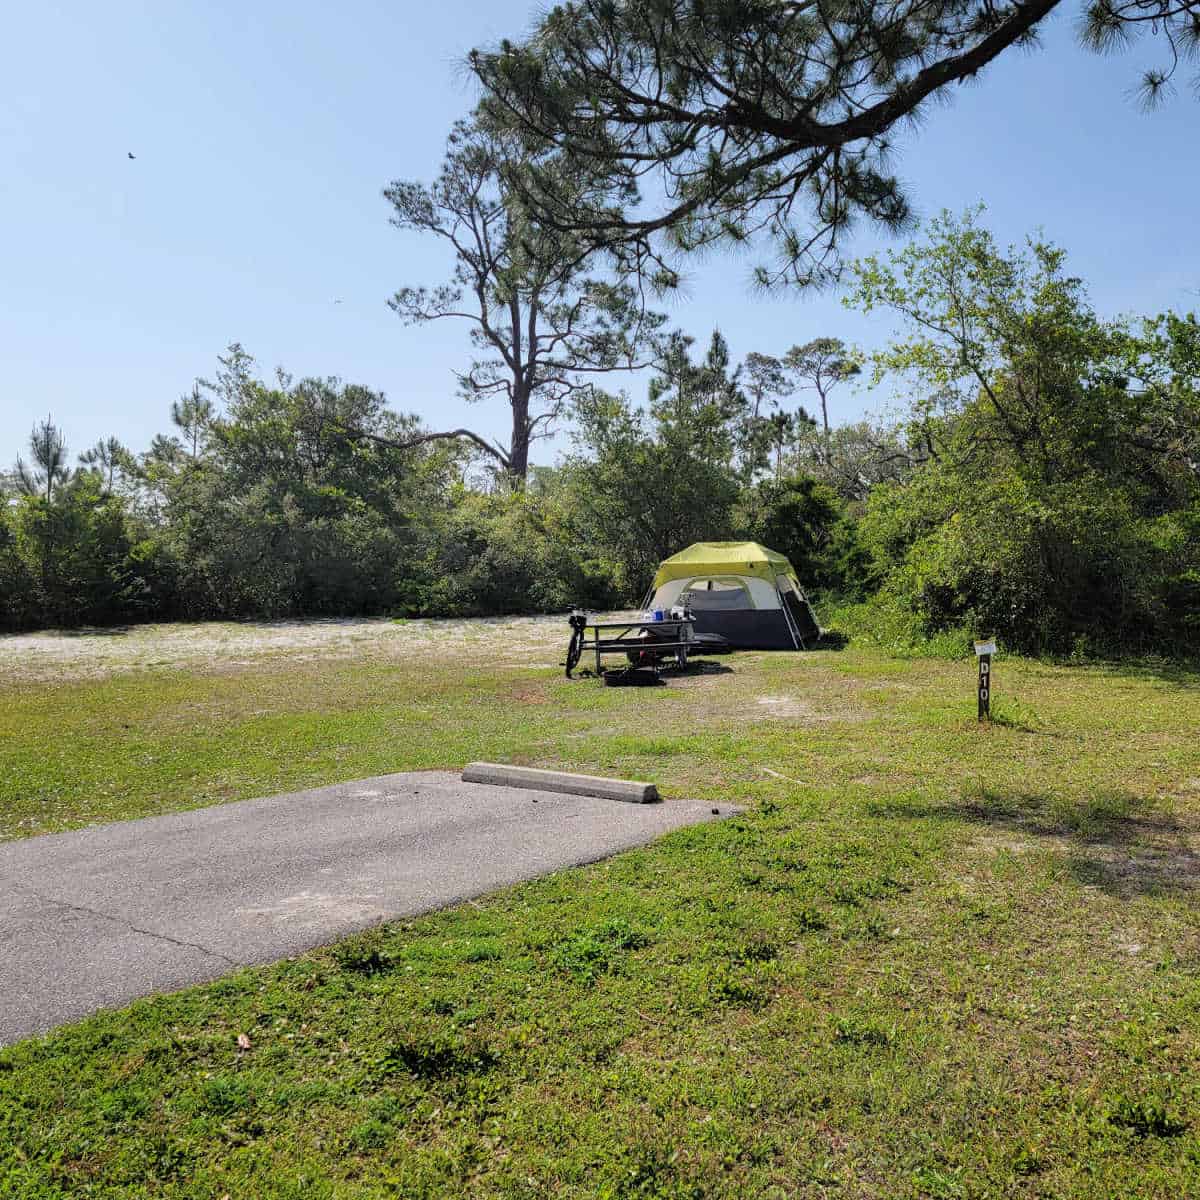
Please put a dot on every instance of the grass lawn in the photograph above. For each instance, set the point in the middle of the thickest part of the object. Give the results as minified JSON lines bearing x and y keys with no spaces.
{"x":931,"y":959}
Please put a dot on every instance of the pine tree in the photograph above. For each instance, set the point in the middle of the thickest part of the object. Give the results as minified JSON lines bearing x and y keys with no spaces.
{"x":714,"y":121}
{"x":541,"y":326}
{"x":48,"y":449}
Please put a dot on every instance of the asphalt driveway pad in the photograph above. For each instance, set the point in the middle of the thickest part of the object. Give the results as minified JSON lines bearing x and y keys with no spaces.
{"x":98,"y":917}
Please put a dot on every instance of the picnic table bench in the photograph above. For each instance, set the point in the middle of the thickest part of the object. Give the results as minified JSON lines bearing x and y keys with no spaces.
{"x":670,"y":637}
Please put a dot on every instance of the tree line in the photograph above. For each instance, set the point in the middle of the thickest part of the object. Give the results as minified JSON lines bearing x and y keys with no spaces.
{"x":1042,"y":483}
{"x":312,"y":497}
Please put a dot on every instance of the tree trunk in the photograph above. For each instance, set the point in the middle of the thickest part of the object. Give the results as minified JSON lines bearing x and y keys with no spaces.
{"x":518,"y":452}
{"x":825,"y":423}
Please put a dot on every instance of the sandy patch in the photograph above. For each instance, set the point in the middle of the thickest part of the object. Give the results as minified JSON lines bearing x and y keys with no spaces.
{"x":792,"y":708}
{"x":93,"y":653}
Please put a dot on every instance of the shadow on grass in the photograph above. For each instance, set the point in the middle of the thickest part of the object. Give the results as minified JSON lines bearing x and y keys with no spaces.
{"x":1181,"y":672}
{"x":698,"y":666}
{"x":1116,"y":840}
{"x":86,"y":631}
{"x":669,"y":673}
{"x":831,"y":639}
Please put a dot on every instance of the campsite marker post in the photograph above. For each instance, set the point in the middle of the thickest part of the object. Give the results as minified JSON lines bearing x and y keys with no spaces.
{"x":984,"y":652}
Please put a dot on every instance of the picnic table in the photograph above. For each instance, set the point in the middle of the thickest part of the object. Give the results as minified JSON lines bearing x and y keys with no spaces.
{"x":637,"y":638}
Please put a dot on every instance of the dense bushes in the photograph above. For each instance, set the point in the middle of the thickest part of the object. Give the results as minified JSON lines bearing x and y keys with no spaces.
{"x":72,"y":559}
{"x":83,"y":559}
{"x":1059,"y":496}
{"x":507,"y":552}
{"x":1049,"y":571}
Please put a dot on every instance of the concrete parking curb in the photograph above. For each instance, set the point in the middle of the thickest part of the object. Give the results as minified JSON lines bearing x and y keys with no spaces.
{"x":629,"y":790}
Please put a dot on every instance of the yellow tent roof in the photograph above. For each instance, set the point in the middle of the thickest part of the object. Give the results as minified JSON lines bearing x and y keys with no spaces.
{"x":723,"y":558}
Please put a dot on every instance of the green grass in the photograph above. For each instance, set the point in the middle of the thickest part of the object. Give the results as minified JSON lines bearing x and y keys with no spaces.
{"x":930,"y":960}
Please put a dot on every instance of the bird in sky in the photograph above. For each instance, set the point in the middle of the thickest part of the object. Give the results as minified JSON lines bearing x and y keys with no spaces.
{"x":130,"y":153}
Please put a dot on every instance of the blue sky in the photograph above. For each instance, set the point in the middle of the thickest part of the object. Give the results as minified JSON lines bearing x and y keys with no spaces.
{"x":264,"y":133}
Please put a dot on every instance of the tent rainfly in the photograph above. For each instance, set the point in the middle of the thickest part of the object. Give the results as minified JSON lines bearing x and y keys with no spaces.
{"x":746,"y":593}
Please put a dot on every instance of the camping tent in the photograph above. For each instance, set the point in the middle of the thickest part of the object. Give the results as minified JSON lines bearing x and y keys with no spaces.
{"x":746,"y":593}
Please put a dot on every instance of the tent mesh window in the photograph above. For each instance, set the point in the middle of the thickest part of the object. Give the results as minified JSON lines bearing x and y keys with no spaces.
{"x":716,"y":595}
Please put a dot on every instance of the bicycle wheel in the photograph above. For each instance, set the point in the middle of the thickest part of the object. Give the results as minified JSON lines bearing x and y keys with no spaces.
{"x":574,"y":650}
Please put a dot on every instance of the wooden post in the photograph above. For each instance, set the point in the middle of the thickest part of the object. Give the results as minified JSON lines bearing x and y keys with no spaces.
{"x":984,"y":652}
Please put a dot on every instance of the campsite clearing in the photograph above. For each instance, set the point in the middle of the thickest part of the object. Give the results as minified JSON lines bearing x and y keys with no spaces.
{"x":932,"y":959}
